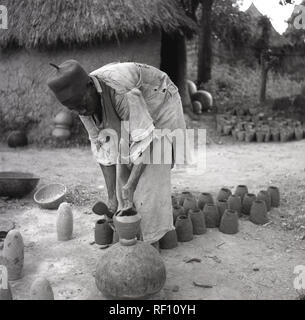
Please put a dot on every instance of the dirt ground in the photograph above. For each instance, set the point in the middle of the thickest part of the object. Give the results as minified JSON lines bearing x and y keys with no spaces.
{"x":257,"y":263}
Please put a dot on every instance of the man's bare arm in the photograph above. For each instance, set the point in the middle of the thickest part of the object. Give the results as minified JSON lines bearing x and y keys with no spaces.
{"x":109,"y":173}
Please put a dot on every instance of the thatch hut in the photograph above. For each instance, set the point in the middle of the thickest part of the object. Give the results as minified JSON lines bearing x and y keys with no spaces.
{"x":94,"y":32}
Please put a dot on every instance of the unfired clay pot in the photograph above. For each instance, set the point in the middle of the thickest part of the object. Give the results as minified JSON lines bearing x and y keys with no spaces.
{"x":222,"y":206}
{"x":103,"y":233}
{"x":189,"y":204}
{"x":198,"y":222}
{"x":64,"y":224}
{"x":258,"y":213}
{"x":177,"y":211}
{"x":224,"y":194}
{"x":275,"y":135}
{"x":41,"y":290}
{"x":184,"y":229}
{"x":234,"y":203}
{"x":265,"y":196}
{"x":169,"y":241}
{"x":212,"y":216}
{"x":247,"y":203}
{"x":115,"y":238}
{"x":241,"y":191}
{"x":250,"y":135}
{"x":260,"y":136}
{"x":299,"y":133}
{"x":205,"y":198}
{"x":17,"y":139}
{"x":174,"y":201}
{"x":229,"y":222}
{"x":183,"y":196}
{"x":275,"y":196}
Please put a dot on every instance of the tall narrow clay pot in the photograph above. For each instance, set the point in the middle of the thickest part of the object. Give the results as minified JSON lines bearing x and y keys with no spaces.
{"x":247,"y":203}
{"x":299,"y":133}
{"x":183,"y":196}
{"x":224,"y":194}
{"x":229,"y":222}
{"x":205,"y":198}
{"x":212,"y":216}
{"x":189,"y":204}
{"x":260,"y":136}
{"x":13,"y":255}
{"x":275,"y":196}
{"x":250,"y":135}
{"x":234,"y":203}
{"x":267,"y":136}
{"x":284,"y":136}
{"x":258,"y":213}
{"x":103,"y":233}
{"x":41,"y":290}
{"x":265,"y":196}
{"x":222,"y":206}
{"x":64,"y":224}
{"x":6,"y":293}
{"x":275,"y":135}
{"x":241,"y":191}
{"x":184,"y":229}
{"x":198,"y":222}
{"x":169,"y":241}
{"x":177,"y":211}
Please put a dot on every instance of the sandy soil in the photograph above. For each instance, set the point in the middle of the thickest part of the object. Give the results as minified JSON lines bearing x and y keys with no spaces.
{"x":257,"y":263}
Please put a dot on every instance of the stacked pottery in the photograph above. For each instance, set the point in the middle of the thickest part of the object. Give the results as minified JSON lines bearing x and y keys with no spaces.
{"x":198,"y":222}
{"x":247,"y":203}
{"x":265,"y":196}
{"x":222,"y":206}
{"x":130,"y":269}
{"x":234,"y":203}
{"x":224,"y":194}
{"x":184,"y":229}
{"x":41,"y":290}
{"x":241,"y":191}
{"x":258,"y":213}
{"x":169,"y":241}
{"x":103,"y":233}
{"x":64,"y":224}
{"x":275,"y":196}
{"x":204,"y":198}
{"x":212,"y":216}
{"x":13,"y":255}
{"x":229,"y":222}
{"x":63,"y":122}
{"x":177,"y":211}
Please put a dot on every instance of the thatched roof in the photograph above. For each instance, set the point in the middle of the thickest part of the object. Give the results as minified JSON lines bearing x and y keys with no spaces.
{"x":52,"y":23}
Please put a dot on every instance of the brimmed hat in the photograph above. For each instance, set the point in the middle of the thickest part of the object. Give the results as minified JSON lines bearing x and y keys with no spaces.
{"x":69,"y":83}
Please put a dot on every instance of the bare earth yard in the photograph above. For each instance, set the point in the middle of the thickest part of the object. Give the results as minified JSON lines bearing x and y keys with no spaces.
{"x":257,"y":263}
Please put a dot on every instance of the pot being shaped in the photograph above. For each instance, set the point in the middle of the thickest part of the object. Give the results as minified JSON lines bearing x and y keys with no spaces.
{"x":229,"y":222}
{"x":41,"y":290}
{"x":127,"y":224}
{"x":205,"y":198}
{"x":258,"y":213}
{"x":224,"y":194}
{"x":198,"y":222}
{"x":184,"y":229}
{"x":177,"y":211}
{"x":234,"y":203}
{"x":13,"y":255}
{"x":189,"y":204}
{"x":64,"y":224}
{"x":6,"y":293}
{"x":247,"y":203}
{"x":241,"y":191}
{"x":103,"y":233}
{"x":183,"y":196}
{"x":212,"y":216}
{"x":17,"y":139}
{"x":130,"y":272}
{"x":265,"y":196}
{"x":275,"y":196}
{"x":222,"y":206}
{"x":169,"y":241}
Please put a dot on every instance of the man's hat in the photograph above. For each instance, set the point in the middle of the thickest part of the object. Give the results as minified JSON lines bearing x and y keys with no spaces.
{"x":69,"y":83}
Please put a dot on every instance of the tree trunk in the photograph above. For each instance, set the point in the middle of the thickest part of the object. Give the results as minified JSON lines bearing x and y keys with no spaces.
{"x":205,"y":44}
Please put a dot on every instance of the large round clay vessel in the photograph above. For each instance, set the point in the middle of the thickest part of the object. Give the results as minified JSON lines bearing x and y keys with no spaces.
{"x":183,"y":196}
{"x":229,"y":222}
{"x":222,"y":206}
{"x":234,"y":203}
{"x":241,"y":191}
{"x":184,"y":229}
{"x":265,"y":196}
{"x":64,"y":223}
{"x":177,"y":211}
{"x":41,"y":290}
{"x":258,"y":213}
{"x":247,"y":203}
{"x":189,"y":204}
{"x":17,"y":139}
{"x":205,"y":198}
{"x":212,"y":216}
{"x":275,"y":196}
{"x":169,"y":241}
{"x":224,"y":194}
{"x":198,"y":221}
{"x":103,"y":233}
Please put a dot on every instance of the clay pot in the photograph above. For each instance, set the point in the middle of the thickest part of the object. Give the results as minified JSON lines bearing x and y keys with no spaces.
{"x":212,"y":216}
{"x":189,"y":204}
{"x":61,"y":133}
{"x":241,"y":191}
{"x":267,"y":136}
{"x":265,"y":196}
{"x":222,"y":206}
{"x":41,"y":290}
{"x":229,"y":222}
{"x":204,"y":198}
{"x":13,"y":255}
{"x":198,"y":222}
{"x":260,"y":136}
{"x":299,"y":133}
{"x":235,"y":134}
{"x":247,"y":203}
{"x":183,"y":196}
{"x":130,"y":272}
{"x":169,"y":241}
{"x":127,"y":224}
{"x":184,"y":229}
{"x":17,"y":139}
{"x":103,"y":233}
{"x":177,"y":211}
{"x":284,"y":136}
{"x":174,"y":201}
{"x":275,"y":135}
{"x":234,"y":203}
{"x":5,"y":292}
{"x":275,"y":196}
{"x":250,"y":135}
{"x":224,"y":194}
{"x":241,"y":135}
{"x":227,"y":129}
{"x":64,"y":224}
{"x":258,"y":213}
